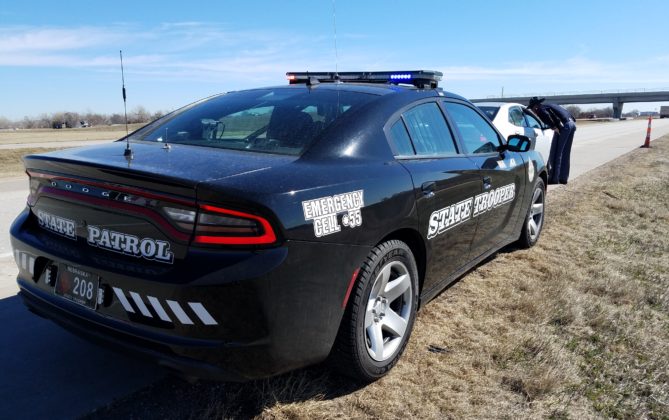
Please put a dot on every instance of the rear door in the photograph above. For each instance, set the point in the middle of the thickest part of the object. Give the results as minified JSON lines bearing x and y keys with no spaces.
{"x":497,"y":207}
{"x":444,"y":183}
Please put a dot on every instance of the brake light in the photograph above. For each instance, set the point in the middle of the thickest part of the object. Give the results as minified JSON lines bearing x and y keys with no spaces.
{"x":216,"y":225}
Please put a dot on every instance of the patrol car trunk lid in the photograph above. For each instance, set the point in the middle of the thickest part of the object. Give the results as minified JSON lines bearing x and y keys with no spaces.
{"x":144,"y":207}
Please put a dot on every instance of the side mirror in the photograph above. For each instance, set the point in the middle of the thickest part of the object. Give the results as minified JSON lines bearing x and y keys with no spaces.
{"x":517,"y":143}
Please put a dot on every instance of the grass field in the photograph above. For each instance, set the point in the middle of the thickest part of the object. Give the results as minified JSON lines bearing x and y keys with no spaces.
{"x":11,"y":163}
{"x":577,"y":327}
{"x":111,"y":132}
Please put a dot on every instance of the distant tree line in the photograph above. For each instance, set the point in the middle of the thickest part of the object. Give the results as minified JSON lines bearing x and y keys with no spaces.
{"x":606,"y":112}
{"x":75,"y":119}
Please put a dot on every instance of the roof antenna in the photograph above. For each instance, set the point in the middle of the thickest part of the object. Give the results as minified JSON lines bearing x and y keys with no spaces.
{"x":334,"y":28}
{"x":128,"y":152}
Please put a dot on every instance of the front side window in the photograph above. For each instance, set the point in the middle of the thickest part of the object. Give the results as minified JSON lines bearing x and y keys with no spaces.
{"x":476,"y":133}
{"x":281,"y":120}
{"x":532,"y":122}
{"x":428,"y":130}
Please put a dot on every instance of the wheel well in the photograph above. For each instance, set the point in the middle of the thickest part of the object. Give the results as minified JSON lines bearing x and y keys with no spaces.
{"x":415,"y":242}
{"x":544,"y":176}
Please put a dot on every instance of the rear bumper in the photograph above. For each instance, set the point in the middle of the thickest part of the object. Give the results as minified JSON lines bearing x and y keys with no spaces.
{"x":120,"y":339}
{"x":269,"y":310}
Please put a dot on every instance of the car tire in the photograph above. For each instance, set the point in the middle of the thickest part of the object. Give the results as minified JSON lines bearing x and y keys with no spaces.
{"x":534,"y":219}
{"x":380,"y":314}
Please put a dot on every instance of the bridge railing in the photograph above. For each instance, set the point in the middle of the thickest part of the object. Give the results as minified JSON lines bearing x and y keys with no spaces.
{"x":590,"y":92}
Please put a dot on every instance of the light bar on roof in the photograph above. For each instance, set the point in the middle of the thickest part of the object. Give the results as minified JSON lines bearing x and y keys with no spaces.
{"x":424,"y":79}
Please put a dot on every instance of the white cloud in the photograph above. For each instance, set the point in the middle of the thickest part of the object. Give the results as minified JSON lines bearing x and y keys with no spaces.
{"x":577,"y":70}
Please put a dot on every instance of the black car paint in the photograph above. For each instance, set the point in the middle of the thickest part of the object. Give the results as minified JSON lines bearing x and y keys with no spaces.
{"x":279,"y":306}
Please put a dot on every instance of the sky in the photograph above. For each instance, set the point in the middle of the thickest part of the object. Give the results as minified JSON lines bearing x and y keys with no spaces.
{"x":64,"y":56}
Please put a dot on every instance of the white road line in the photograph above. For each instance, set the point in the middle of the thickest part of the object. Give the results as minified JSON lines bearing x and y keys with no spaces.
{"x":202,"y":313}
{"x":6,"y":254}
{"x":124,"y":301}
{"x":159,"y":309}
{"x":179,"y":312}
{"x":140,"y":304}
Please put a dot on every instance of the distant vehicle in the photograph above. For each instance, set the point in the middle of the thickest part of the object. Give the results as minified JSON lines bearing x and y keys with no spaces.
{"x":84,"y":124}
{"x":512,"y":118}
{"x":664,"y":111}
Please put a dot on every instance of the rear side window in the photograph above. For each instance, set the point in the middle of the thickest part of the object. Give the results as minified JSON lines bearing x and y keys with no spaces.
{"x":400,"y":139}
{"x":428,"y":130}
{"x":280,"y":120}
{"x":476,"y":133}
{"x":516,"y":116}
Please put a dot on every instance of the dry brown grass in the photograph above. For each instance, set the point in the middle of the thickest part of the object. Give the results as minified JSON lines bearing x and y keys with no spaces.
{"x":42,"y":135}
{"x":577,"y":327}
{"x":11,"y":163}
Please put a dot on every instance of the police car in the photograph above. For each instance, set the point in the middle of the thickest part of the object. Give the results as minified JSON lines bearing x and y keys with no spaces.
{"x":259,"y":231}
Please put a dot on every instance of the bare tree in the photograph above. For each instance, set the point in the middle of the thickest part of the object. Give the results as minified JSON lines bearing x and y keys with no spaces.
{"x":139,"y":115}
{"x":574,"y":110}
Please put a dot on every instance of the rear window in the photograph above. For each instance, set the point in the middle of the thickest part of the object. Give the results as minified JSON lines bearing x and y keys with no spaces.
{"x":489,"y":111}
{"x":281,"y":120}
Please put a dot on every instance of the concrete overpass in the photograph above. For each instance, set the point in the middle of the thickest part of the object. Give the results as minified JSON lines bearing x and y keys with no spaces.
{"x":618,"y":99}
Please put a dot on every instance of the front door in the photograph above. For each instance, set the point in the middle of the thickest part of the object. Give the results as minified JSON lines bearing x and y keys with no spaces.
{"x":497,"y":207}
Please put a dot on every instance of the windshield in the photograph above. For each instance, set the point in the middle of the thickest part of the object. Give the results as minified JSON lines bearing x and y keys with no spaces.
{"x":489,"y":111}
{"x":280,"y":120}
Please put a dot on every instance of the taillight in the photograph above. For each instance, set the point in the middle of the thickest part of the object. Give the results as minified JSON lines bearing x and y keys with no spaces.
{"x":183,"y":218}
{"x":34,"y":184}
{"x":216,"y":225}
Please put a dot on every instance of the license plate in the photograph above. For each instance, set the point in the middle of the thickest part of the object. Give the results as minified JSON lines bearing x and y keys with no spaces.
{"x":78,"y":285}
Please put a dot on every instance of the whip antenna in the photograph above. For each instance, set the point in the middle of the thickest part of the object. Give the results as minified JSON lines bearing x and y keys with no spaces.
{"x":334,"y":29}
{"x":127,"y":152}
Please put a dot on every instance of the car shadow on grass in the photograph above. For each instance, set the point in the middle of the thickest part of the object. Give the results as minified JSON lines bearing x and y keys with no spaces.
{"x":175,"y":398}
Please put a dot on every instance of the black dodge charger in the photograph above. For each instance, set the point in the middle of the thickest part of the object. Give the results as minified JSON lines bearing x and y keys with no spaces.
{"x":259,"y":231}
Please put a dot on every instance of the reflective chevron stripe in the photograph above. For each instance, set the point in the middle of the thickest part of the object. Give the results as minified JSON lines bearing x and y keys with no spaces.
{"x":179,"y":311}
{"x":159,"y":309}
{"x":202,"y":313}
{"x":140,"y":304}
{"x":25,"y":261}
{"x":124,"y":301}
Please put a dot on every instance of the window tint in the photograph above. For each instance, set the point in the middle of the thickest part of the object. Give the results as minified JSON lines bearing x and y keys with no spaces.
{"x":400,"y":139}
{"x":428,"y":130}
{"x":516,"y":116}
{"x":281,"y":120}
{"x":475,"y":131}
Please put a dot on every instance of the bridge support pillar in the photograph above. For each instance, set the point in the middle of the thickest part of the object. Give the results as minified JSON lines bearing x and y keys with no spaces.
{"x":618,"y":108}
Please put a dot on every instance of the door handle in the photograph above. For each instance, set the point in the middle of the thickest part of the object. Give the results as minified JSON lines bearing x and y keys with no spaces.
{"x":487,"y":182}
{"x":428,"y":188}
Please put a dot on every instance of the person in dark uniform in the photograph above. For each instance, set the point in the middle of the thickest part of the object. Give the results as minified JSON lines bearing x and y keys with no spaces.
{"x":563,"y":124}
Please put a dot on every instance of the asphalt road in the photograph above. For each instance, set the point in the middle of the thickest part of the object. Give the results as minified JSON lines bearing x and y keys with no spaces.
{"x":47,"y":372}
